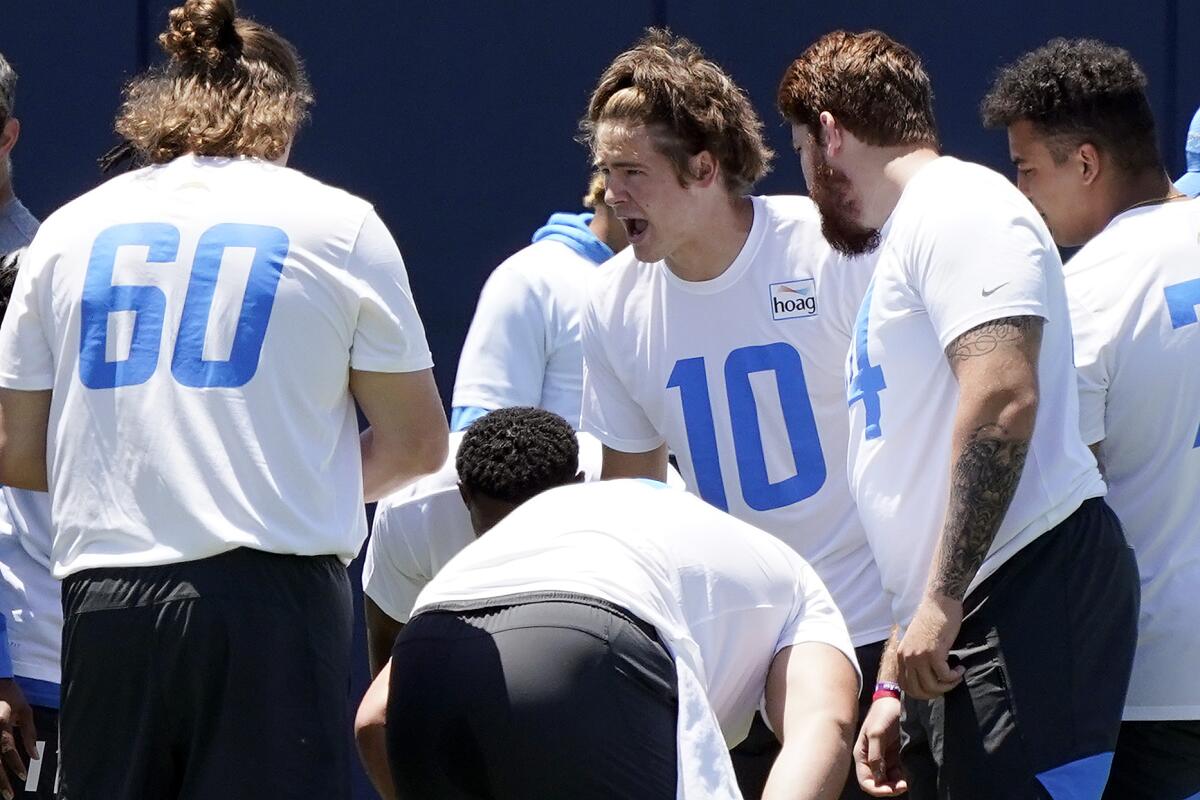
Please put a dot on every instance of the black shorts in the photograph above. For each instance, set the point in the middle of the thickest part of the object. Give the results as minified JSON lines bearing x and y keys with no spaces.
{"x":1157,"y":760}
{"x":559,"y":697}
{"x":1047,"y":643}
{"x":223,"y":677}
{"x":41,"y":773}
{"x":754,"y":756}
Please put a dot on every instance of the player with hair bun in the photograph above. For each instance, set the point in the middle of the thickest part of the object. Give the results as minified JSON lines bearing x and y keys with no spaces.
{"x":179,"y":365}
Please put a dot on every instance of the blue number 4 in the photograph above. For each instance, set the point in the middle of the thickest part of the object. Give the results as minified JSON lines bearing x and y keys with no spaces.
{"x":1182,"y":299}
{"x":866,"y":379}
{"x":148,"y":304}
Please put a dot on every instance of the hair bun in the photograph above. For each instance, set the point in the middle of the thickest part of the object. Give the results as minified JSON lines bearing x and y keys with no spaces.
{"x":201,"y":33}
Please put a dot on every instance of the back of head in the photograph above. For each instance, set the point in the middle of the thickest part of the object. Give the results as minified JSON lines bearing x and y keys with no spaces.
{"x":231,"y":87}
{"x":512,"y":454}
{"x":8,"y":90}
{"x":875,"y":87}
{"x":594,"y":199}
{"x":687,"y":103}
{"x":1078,"y":91}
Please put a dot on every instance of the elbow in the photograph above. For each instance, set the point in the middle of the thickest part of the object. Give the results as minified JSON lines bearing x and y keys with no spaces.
{"x":432,"y":451}
{"x":370,"y":726}
{"x":1019,"y":413}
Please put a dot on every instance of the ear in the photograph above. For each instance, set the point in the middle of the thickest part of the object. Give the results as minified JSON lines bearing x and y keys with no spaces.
{"x":464,"y":493}
{"x":8,"y":136}
{"x":1090,"y":163}
{"x":831,"y":134}
{"x":704,"y":169}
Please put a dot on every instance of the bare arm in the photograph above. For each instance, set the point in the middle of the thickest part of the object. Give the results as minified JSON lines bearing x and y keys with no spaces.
{"x":877,"y":752}
{"x":382,"y":631}
{"x":408,"y":434}
{"x":812,"y":704}
{"x":24,"y":418}
{"x":370,"y":733}
{"x":652,"y":464}
{"x":996,"y":367}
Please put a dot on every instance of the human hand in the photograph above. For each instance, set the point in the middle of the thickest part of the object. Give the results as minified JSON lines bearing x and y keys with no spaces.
{"x":924,"y":651}
{"x":877,"y":751}
{"x":15,"y":712}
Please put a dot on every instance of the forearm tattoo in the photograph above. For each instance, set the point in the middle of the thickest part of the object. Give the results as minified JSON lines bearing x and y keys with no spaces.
{"x":988,"y":468}
{"x":985,"y":339}
{"x":982,"y":485}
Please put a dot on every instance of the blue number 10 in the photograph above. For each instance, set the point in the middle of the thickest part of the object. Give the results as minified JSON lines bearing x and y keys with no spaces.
{"x":757,"y":489}
{"x":101,"y":298}
{"x":1182,"y":299}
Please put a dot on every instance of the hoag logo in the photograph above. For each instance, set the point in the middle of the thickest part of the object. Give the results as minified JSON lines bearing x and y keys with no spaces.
{"x":793,"y":299}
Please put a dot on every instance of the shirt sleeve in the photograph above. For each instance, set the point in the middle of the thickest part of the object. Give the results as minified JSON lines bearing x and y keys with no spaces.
{"x":1093,"y":363}
{"x":388,"y":336}
{"x":503,"y":361}
{"x":392,"y":574}
{"x":26,"y":359}
{"x":977,"y":263}
{"x":609,"y":411}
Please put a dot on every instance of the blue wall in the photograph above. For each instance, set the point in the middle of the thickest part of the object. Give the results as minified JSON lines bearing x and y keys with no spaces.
{"x":457,"y":117}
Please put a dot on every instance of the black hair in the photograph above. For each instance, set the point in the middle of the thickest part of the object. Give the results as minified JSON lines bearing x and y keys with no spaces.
{"x":8,"y":277}
{"x":515,"y":453}
{"x":1076,"y":91}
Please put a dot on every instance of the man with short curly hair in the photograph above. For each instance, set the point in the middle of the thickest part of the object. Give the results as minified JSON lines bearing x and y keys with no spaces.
{"x":605,"y":640}
{"x":1082,"y":137}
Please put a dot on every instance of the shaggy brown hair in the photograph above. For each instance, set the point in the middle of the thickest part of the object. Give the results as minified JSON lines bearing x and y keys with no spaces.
{"x":688,"y":104}
{"x":232,"y":87}
{"x":874,"y":86}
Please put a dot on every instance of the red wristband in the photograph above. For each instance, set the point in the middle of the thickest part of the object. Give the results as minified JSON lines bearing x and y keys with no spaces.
{"x":886,"y":689}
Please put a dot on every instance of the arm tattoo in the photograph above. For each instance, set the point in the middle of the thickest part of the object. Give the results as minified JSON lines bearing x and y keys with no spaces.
{"x":982,"y":485}
{"x":985,"y":339}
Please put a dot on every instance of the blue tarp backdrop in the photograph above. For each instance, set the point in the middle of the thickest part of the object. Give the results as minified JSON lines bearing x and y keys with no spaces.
{"x":457,"y":117}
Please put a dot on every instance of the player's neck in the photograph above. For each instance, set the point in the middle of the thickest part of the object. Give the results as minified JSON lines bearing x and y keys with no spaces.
{"x":6,"y":191}
{"x":717,"y":243}
{"x":894,"y":167}
{"x":1148,"y":188}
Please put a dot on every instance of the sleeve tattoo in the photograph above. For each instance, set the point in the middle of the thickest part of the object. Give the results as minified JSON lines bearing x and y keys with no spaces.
{"x":987,"y":471}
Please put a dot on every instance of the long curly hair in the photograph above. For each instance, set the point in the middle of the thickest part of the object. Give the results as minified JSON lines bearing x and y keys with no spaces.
{"x":231,"y":87}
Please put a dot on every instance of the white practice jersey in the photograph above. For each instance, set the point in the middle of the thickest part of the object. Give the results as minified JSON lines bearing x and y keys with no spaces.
{"x":522,"y":348}
{"x":419,"y":528}
{"x":961,"y":248}
{"x":197,"y":322}
{"x":1134,"y":292}
{"x":743,"y":377}
{"x":29,"y":594}
{"x":724,"y":596}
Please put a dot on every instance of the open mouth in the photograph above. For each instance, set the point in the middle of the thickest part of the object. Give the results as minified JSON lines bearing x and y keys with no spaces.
{"x":635,"y":229}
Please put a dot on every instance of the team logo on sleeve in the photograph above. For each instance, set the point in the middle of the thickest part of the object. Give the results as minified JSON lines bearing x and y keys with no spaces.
{"x":793,"y":299}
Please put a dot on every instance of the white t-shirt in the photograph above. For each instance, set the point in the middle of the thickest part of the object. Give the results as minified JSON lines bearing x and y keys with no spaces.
{"x":522,"y":348}
{"x":743,"y":377}
{"x":1134,"y":292}
{"x":962,"y":247}
{"x":419,"y":528}
{"x":29,"y":594}
{"x":197,"y":322}
{"x":724,"y":596}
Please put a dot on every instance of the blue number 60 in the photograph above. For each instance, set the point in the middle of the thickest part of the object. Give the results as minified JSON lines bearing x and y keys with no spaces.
{"x":101,"y":298}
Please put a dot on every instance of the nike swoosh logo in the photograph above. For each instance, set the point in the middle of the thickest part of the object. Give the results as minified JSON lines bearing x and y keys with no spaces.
{"x":990,"y":292}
